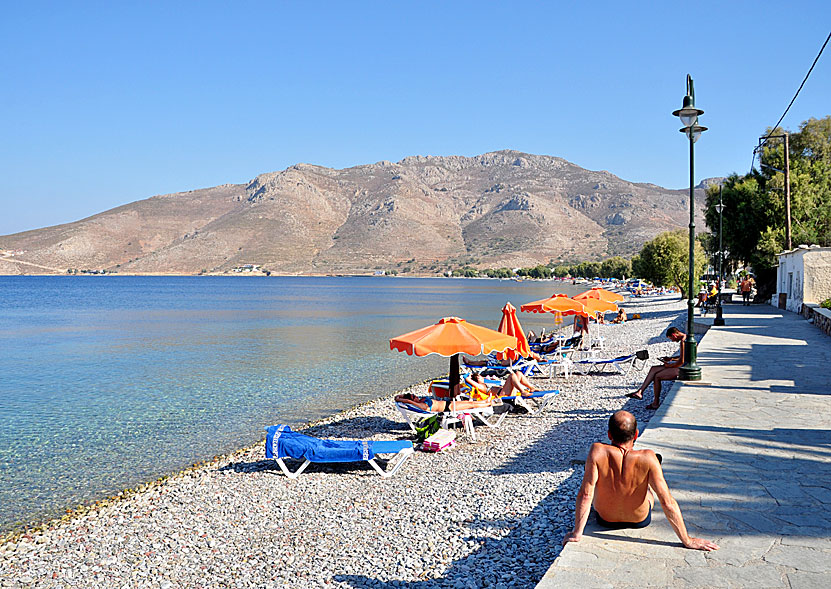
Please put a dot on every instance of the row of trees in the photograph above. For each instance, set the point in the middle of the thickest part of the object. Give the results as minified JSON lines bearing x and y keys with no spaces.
{"x":615,"y":267}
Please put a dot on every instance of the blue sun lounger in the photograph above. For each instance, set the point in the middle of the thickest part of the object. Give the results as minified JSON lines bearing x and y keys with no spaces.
{"x":542,"y":398}
{"x":281,"y":443}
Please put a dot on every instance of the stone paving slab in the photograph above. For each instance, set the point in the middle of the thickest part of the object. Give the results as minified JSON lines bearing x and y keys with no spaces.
{"x":747,"y":457}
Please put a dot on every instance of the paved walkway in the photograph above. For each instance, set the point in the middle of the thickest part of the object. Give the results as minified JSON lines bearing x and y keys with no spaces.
{"x":748,"y":458}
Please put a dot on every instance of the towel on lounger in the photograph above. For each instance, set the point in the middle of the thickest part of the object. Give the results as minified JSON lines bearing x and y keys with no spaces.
{"x":281,"y":442}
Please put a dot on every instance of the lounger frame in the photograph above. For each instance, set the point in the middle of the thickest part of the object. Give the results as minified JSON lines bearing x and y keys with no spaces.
{"x":397,"y":461}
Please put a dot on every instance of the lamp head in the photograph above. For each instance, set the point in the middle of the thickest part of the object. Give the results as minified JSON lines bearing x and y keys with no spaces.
{"x":688,"y":113}
{"x":694,"y":130}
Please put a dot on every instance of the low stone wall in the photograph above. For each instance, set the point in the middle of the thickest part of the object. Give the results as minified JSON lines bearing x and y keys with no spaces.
{"x":818,"y":316}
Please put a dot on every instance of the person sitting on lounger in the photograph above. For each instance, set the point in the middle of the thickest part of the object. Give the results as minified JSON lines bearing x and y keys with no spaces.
{"x":439,"y":405}
{"x":619,"y":482}
{"x":621,"y":316}
{"x":515,"y":384}
{"x":667,"y":370}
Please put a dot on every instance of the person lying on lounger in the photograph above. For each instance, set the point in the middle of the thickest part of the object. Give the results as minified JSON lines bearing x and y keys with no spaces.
{"x":495,"y":363}
{"x":439,"y":405}
{"x":554,"y":345}
{"x":515,"y":384}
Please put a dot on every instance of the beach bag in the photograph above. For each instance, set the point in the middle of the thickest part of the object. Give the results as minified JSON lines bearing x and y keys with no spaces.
{"x":427,"y":427}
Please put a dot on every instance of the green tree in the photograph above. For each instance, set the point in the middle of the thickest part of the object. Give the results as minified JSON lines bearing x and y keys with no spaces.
{"x":561,"y":271}
{"x":615,"y":267}
{"x":540,"y":272}
{"x":754,"y":213}
{"x":664,"y":261}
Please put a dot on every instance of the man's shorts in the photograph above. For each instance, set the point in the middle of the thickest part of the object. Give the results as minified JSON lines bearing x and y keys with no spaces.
{"x":623,"y":525}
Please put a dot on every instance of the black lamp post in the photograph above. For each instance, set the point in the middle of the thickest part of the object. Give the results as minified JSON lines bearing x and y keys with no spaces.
{"x":719,"y":320}
{"x":689,"y":118}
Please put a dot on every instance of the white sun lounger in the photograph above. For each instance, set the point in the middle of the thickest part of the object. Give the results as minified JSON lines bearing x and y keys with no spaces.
{"x":282,"y":443}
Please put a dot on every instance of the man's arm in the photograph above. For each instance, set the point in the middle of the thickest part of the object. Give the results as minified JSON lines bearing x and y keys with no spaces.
{"x":584,"y":499}
{"x":675,"y":362}
{"x":671,"y":509}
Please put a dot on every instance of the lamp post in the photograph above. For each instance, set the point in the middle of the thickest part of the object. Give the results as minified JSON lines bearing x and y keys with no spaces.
{"x":689,"y":118}
{"x":719,"y":320}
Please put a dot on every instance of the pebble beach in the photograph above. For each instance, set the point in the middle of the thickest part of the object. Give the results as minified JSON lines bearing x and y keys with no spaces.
{"x":486,"y":514}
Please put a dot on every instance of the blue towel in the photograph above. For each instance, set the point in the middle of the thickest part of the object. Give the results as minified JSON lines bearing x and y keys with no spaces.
{"x":281,"y":442}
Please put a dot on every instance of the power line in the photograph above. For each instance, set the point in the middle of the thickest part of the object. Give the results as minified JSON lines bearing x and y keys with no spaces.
{"x":762,"y":143}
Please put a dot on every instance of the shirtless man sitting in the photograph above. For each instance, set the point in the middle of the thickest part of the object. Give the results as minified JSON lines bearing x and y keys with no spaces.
{"x":619,"y":483}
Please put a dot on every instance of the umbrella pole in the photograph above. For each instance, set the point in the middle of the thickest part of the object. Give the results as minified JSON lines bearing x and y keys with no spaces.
{"x":454,"y":379}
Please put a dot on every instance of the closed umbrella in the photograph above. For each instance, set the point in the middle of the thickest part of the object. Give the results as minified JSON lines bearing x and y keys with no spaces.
{"x":510,"y":326}
{"x":452,"y":336}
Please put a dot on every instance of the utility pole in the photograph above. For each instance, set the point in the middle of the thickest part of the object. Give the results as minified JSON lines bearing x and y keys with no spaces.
{"x":787,"y":194}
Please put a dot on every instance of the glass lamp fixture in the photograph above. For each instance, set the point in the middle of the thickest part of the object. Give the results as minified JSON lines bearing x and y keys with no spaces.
{"x":696,"y":131}
{"x":688,"y":113}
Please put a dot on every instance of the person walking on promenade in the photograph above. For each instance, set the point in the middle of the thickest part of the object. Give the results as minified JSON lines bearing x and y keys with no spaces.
{"x":746,"y":286}
{"x":667,"y":370}
{"x":620,"y":481}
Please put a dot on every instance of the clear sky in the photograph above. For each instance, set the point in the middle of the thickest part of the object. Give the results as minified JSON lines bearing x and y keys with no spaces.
{"x":106,"y":103}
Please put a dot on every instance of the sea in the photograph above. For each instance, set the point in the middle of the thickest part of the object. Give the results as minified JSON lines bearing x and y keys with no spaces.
{"x":107,"y":382}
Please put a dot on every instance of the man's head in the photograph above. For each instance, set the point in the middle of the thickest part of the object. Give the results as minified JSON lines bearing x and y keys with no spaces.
{"x":623,"y":427}
{"x":675,"y":334}
{"x":477,"y":376}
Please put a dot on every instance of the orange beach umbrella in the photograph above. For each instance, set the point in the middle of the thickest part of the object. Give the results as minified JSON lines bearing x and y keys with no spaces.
{"x":598,"y":305}
{"x":600,"y":293}
{"x":510,"y":326}
{"x":558,"y":303}
{"x":452,"y":336}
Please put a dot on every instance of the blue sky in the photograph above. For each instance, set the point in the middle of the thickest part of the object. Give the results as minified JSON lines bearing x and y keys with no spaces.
{"x":106,"y":103}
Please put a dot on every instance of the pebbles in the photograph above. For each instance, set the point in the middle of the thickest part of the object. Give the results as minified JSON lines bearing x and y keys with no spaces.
{"x":489,"y":514}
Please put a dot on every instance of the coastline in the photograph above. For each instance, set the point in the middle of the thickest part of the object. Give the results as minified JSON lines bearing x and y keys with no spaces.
{"x":73,"y":512}
{"x":511,"y":492}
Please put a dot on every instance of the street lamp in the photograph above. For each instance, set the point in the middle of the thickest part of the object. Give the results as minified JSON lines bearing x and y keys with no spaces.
{"x":719,"y":320}
{"x":689,"y":114}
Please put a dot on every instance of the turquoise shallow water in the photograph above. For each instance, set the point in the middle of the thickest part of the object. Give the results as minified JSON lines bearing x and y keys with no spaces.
{"x":107,"y":382}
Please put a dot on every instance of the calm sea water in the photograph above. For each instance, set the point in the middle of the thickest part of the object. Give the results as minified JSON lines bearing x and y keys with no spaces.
{"x":106,"y":382}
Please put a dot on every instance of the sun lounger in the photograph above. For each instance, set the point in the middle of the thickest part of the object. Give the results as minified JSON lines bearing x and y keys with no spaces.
{"x":485,"y":415}
{"x":542,"y":399}
{"x":281,"y":443}
{"x":599,"y":365}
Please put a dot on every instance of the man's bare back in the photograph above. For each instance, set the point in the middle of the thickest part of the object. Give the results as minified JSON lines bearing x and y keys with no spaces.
{"x":622,"y":490}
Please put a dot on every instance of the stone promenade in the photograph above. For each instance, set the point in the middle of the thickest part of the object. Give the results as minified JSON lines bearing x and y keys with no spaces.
{"x":748,"y":457}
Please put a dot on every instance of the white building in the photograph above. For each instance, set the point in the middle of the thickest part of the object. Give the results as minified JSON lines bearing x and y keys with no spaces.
{"x":803,"y":276}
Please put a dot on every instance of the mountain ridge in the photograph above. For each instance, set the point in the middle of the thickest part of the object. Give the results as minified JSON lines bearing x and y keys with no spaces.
{"x":428,"y":213}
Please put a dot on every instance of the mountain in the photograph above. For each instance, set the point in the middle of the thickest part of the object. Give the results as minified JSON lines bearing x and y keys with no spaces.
{"x":504,"y":208}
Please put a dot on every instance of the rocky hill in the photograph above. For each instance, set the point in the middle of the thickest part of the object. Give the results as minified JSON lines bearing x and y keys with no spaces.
{"x":424,"y":213}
